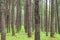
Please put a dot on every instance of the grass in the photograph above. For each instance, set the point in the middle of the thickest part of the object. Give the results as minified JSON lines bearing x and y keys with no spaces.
{"x":23,"y":36}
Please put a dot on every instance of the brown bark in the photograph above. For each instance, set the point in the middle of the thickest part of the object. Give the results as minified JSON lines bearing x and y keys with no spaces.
{"x":2,"y":15}
{"x":52,"y":19}
{"x":46,"y":27}
{"x":33,"y":20}
{"x":18,"y":19}
{"x":58,"y":17}
{"x":25,"y":17}
{"x":8,"y":15}
{"x":12,"y":20}
{"x":29,"y":17}
{"x":49,"y":20}
{"x":37,"y":20}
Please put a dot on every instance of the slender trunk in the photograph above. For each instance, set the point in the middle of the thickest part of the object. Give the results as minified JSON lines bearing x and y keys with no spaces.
{"x":58,"y":19}
{"x":18,"y":19}
{"x":49,"y":16}
{"x":29,"y":17}
{"x":46,"y":27}
{"x":12,"y":13}
{"x":2,"y":15}
{"x":33,"y":27}
{"x":37,"y":20}
{"x":7,"y":15}
{"x":52,"y":19}
{"x":26,"y":18}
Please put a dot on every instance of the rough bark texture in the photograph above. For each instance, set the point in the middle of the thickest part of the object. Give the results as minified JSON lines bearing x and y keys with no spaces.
{"x":29,"y":17}
{"x":2,"y":15}
{"x":37,"y":20}
{"x":12,"y":22}
{"x":52,"y":19}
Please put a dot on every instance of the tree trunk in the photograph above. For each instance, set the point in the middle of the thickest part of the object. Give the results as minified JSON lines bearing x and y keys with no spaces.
{"x":12,"y":23}
{"x":29,"y":17}
{"x":18,"y":19}
{"x":37,"y":20}
{"x":2,"y":15}
{"x":33,"y":20}
{"x":52,"y":19}
{"x":7,"y":15}
{"x":58,"y":17}
{"x":46,"y":27}
{"x":26,"y":18}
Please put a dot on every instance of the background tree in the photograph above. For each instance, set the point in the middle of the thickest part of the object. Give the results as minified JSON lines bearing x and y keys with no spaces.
{"x":46,"y":27}
{"x":29,"y":17}
{"x":25,"y":17}
{"x":8,"y":15}
{"x":2,"y":15}
{"x":12,"y":20}
{"x":58,"y":19}
{"x":37,"y":20}
{"x":52,"y":19}
{"x":18,"y":18}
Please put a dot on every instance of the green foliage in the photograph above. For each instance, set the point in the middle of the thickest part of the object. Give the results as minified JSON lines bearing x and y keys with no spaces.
{"x":23,"y":36}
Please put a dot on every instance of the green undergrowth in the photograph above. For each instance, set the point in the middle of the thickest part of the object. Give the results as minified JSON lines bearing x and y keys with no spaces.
{"x":23,"y":36}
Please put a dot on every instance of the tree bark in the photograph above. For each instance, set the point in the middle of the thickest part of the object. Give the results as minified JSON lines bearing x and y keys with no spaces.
{"x":26,"y":17}
{"x":58,"y":17}
{"x":46,"y":27}
{"x":2,"y":15}
{"x":37,"y":20}
{"x":52,"y":19}
{"x":29,"y":17}
{"x":12,"y":22}
{"x":8,"y":15}
{"x":18,"y":19}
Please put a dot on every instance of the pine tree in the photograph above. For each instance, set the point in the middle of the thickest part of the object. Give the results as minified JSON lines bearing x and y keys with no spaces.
{"x":52,"y":19}
{"x":37,"y":20}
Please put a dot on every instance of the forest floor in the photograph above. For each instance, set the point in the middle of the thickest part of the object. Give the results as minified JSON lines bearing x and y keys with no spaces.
{"x":23,"y":36}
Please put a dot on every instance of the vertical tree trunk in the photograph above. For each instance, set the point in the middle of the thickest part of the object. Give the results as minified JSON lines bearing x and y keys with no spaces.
{"x":49,"y":15}
{"x":7,"y":15}
{"x":52,"y":19}
{"x":3,"y":32}
{"x":37,"y":20}
{"x":58,"y":17}
{"x":18,"y":19}
{"x":33,"y":20}
{"x":45,"y":18}
{"x":2,"y":15}
{"x":25,"y":21}
{"x":29,"y":17}
{"x":12,"y":23}
{"x":26,"y":17}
